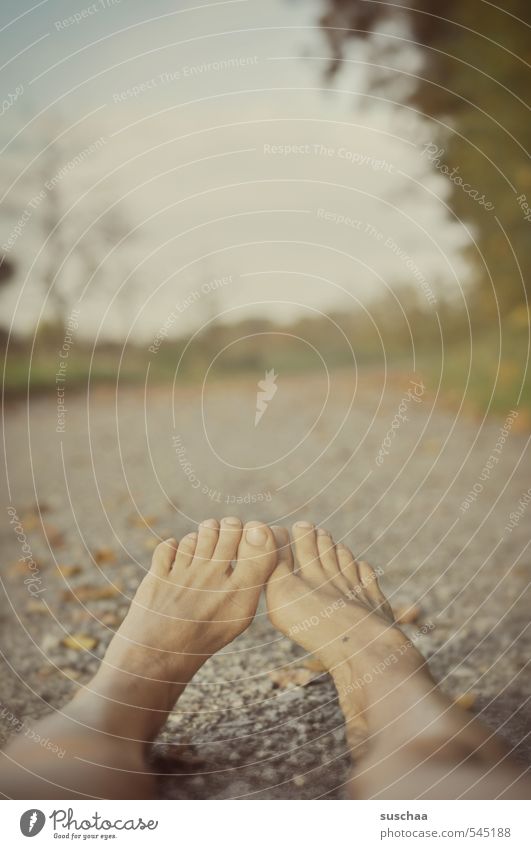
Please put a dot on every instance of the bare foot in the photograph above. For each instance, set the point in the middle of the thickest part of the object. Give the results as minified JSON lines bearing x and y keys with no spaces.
{"x":332,"y":606}
{"x":421,"y":745}
{"x":191,"y":603}
{"x":197,"y":597}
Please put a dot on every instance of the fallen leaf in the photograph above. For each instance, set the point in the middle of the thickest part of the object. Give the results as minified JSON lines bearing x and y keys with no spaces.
{"x":104,"y":555}
{"x":67,"y":571}
{"x":30,"y":521}
{"x":72,"y":674}
{"x":110,"y":619}
{"x":466,"y":700}
{"x":407,"y":613}
{"x":18,"y":567}
{"x":34,"y":605}
{"x":54,"y":536}
{"x":80,"y":642}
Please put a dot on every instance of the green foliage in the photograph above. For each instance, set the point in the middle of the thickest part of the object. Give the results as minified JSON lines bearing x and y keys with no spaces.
{"x":475,"y":79}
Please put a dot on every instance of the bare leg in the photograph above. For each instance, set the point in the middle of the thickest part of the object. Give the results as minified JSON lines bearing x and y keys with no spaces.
{"x":407,"y":739}
{"x":191,"y":603}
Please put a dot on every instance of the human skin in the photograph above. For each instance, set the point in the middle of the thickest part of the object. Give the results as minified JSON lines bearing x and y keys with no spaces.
{"x":196,"y":598}
{"x":407,"y":739}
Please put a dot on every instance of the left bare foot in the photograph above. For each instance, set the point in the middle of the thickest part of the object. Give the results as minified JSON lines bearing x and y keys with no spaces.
{"x":191,"y":603}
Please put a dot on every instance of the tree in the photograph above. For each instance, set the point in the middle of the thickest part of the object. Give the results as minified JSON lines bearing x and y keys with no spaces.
{"x":475,"y":77}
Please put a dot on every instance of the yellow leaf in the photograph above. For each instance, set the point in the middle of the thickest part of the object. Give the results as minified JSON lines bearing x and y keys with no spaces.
{"x":67,"y":571}
{"x":104,"y":555}
{"x":88,"y":593}
{"x":80,"y":642}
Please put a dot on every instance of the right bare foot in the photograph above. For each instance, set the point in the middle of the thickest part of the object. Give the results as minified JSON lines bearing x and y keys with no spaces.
{"x":422,"y":745}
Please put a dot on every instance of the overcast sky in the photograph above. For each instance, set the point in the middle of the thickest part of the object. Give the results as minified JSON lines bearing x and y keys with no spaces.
{"x":209,"y":133}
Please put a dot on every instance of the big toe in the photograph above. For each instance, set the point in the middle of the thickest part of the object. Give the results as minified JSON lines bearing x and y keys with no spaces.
{"x":257,"y":556}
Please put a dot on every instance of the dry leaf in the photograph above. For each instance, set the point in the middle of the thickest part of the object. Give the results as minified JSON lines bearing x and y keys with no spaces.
{"x":466,"y":700}
{"x":30,"y":521}
{"x":67,"y":571}
{"x":110,"y":619}
{"x":141,"y":521}
{"x":406,"y":614}
{"x":104,"y":555}
{"x":90,"y":593}
{"x":80,"y":642}
{"x":36,"y":606}
{"x":18,"y":567}
{"x":54,"y":536}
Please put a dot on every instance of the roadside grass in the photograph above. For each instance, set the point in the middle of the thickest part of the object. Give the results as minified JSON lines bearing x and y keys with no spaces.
{"x":487,"y":378}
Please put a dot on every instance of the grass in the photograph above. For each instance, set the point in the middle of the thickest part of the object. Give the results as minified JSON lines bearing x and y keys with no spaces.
{"x":496,"y":384}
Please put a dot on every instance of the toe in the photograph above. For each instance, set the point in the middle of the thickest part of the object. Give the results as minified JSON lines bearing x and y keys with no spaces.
{"x":372,"y":590}
{"x":163,"y":557}
{"x":207,"y":538}
{"x":329,"y":561}
{"x":257,"y":557}
{"x":230,"y":534}
{"x":349,"y":567}
{"x":305,"y":541}
{"x":185,"y":551}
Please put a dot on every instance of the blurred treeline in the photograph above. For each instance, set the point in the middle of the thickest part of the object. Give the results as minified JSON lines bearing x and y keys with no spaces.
{"x":472,"y":86}
{"x":396,"y":335}
{"x":473,"y":83}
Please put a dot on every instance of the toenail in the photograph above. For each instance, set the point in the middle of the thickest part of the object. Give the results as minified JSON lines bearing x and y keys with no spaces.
{"x":321,"y":532}
{"x":210,"y":523}
{"x":256,"y":535}
{"x":303,"y":525}
{"x":231,"y":520}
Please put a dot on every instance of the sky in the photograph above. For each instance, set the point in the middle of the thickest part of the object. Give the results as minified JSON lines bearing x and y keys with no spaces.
{"x":191,"y":160}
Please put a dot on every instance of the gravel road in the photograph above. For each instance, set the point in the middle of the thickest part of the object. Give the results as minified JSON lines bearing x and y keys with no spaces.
{"x":379,"y":460}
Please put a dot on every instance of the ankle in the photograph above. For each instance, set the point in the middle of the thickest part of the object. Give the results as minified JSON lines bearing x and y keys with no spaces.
{"x":393,"y":699}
